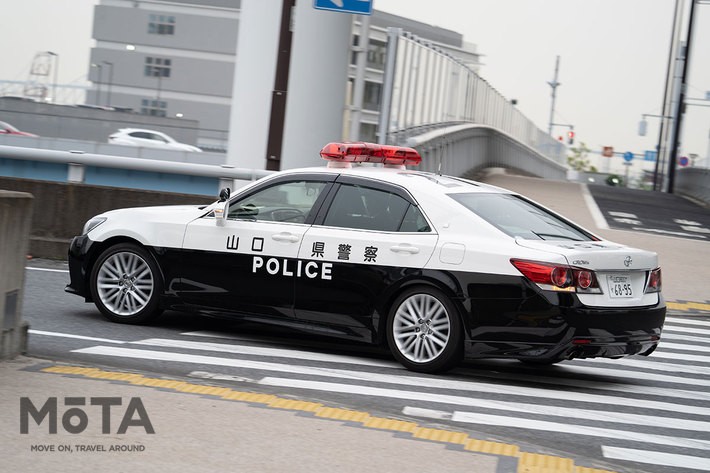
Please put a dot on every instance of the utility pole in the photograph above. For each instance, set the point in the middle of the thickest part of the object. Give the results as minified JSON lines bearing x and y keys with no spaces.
{"x":681,"y":106}
{"x":667,"y":116}
{"x":278,"y":98}
{"x":554,"y":84}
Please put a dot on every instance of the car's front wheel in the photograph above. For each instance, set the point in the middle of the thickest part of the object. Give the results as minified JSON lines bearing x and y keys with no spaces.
{"x":424,"y":330}
{"x":126,"y":284}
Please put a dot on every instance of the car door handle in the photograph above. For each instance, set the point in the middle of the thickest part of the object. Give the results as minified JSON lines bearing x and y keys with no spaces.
{"x":287,"y":237}
{"x":405,"y":248}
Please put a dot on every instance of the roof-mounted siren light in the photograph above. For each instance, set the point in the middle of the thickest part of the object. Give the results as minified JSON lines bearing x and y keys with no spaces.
{"x":343,"y":154}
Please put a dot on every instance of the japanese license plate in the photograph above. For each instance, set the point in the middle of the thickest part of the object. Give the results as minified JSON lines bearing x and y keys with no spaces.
{"x":619,"y":286}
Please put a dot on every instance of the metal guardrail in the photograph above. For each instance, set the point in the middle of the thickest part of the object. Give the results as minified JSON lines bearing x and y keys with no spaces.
{"x":78,"y":161}
{"x":424,"y":86}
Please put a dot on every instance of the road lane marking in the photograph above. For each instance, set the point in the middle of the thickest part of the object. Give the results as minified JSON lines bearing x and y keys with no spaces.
{"x":525,"y":408}
{"x":690,"y":330}
{"x":325,"y":412}
{"x":488,"y":419}
{"x":681,"y":346}
{"x":528,"y":424}
{"x":389,"y":378}
{"x":593,"y":208}
{"x":622,"y":214}
{"x":685,"y":306}
{"x":657,"y":458}
{"x":635,"y":375}
{"x":668,"y":232}
{"x":687,"y":338}
{"x":313,"y":356}
{"x":653,"y":365}
{"x":262,"y":351}
{"x":71,"y":335}
{"x":700,"y":323}
{"x":682,"y":357}
{"x":49,"y":270}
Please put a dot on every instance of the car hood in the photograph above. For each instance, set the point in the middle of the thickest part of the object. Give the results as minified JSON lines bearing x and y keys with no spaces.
{"x":596,"y":255}
{"x":152,"y":226}
{"x":172,"y":213}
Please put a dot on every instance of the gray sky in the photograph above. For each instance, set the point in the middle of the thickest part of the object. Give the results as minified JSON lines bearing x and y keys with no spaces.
{"x":612,"y":68}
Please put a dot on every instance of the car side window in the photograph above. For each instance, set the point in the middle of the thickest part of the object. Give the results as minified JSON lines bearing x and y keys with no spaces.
{"x":414,"y":221}
{"x":284,"y":202}
{"x":366,"y":208}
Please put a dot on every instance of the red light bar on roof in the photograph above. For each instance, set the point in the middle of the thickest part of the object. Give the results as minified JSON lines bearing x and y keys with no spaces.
{"x":370,"y":153}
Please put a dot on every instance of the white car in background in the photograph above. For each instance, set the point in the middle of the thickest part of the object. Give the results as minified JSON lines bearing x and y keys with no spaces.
{"x":148,"y":139}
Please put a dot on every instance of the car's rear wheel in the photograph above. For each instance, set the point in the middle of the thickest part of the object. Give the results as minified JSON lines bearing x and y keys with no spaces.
{"x":126,"y":284}
{"x":424,"y":330}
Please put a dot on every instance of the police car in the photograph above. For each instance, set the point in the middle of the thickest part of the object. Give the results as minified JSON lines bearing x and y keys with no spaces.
{"x":435,"y":267}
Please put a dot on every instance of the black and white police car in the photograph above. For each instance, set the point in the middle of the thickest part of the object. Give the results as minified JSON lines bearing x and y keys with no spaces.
{"x":437,"y":267}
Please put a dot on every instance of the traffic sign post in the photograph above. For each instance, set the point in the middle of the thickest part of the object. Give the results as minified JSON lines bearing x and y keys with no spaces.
{"x":628,"y":157}
{"x":358,"y":7}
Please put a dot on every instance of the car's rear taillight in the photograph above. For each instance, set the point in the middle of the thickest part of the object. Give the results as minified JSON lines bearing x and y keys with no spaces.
{"x":558,"y":277}
{"x":653,"y":284}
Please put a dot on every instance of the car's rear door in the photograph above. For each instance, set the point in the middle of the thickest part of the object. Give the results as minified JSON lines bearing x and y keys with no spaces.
{"x":366,"y":238}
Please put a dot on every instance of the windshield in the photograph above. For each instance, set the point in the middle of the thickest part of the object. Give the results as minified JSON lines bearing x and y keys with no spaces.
{"x":517,"y":217}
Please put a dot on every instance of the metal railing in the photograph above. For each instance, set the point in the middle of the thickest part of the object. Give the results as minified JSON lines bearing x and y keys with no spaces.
{"x":426,"y":88}
{"x":77,"y":162}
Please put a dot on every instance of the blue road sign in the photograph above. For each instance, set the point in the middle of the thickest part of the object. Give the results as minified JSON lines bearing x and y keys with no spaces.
{"x":650,"y":155}
{"x":628,"y":156}
{"x":359,"y":7}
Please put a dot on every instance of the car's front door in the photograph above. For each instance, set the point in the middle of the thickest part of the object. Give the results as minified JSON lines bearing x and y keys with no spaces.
{"x":248,"y":264}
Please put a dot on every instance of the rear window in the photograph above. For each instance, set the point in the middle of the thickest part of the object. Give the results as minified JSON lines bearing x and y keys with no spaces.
{"x":518,"y":217}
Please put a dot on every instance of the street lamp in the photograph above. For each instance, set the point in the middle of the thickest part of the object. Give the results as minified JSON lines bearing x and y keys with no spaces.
{"x":98,"y":83}
{"x":56,"y":70}
{"x":110,"y":81}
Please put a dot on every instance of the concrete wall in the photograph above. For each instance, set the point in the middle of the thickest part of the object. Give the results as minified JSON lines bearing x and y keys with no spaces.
{"x":15,"y":217}
{"x":694,"y":183}
{"x":61,"y":209}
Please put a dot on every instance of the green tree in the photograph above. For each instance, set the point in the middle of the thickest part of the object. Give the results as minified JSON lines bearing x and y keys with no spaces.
{"x":578,"y":159}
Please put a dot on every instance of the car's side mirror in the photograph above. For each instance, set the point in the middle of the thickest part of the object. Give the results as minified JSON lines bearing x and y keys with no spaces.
{"x":222,"y":208}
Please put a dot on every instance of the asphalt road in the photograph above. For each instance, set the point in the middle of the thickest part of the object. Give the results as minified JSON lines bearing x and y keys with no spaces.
{"x":656,"y":213}
{"x":635,"y":414}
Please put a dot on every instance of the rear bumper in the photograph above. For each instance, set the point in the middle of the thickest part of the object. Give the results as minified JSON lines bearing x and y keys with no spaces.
{"x":571,"y":330}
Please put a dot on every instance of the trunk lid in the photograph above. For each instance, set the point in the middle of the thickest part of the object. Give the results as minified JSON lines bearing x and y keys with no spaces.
{"x":621,"y":271}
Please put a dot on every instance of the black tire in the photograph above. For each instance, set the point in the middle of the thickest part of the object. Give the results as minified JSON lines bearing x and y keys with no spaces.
{"x":424,"y":330}
{"x":126,"y":284}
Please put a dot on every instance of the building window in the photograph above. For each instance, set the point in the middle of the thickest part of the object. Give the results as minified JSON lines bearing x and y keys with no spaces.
{"x":373,"y":93}
{"x":154,"y":108}
{"x":376,"y":54}
{"x":157,"y":67}
{"x":161,"y":24}
{"x":368,"y":132}
{"x":376,"y":51}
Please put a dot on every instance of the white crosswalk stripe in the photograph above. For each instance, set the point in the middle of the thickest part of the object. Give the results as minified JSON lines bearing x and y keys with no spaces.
{"x":651,"y":410}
